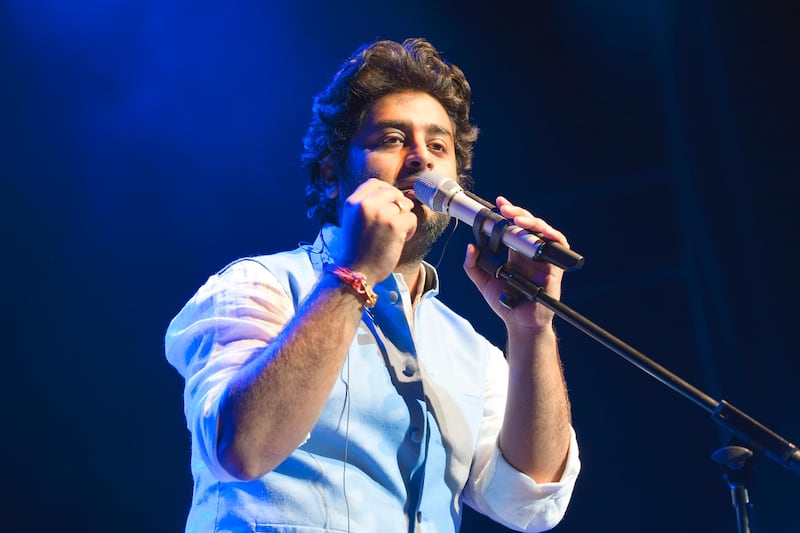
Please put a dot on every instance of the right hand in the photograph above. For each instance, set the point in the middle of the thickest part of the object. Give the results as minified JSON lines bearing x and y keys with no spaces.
{"x":377,"y":220}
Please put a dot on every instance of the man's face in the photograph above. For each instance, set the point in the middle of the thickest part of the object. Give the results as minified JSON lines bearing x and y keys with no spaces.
{"x":403,"y":135}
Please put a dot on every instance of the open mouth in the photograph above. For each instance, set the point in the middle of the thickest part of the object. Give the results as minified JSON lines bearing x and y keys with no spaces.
{"x":406,"y":186}
{"x":409,"y":193}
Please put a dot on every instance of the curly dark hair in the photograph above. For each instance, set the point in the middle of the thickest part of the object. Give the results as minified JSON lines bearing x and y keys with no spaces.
{"x":373,"y":71}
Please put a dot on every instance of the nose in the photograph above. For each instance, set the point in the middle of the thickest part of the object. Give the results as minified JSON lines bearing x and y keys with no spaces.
{"x":418,"y":158}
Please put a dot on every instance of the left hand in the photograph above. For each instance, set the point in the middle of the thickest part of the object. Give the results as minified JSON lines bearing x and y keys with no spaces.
{"x":526,"y":316}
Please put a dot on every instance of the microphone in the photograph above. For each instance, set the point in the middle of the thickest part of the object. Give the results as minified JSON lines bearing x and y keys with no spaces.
{"x":444,"y":195}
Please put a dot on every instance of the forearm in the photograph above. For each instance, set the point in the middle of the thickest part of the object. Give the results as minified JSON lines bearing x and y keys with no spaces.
{"x":273,"y":402}
{"x":535,"y":434}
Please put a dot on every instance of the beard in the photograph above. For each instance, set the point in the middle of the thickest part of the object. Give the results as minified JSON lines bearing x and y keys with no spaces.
{"x":430,"y":226}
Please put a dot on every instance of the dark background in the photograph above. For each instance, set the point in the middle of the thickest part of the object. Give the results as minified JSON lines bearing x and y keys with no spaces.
{"x":147,"y":143}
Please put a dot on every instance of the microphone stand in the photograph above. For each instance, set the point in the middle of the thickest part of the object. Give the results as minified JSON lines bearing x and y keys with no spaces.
{"x":749,"y":438}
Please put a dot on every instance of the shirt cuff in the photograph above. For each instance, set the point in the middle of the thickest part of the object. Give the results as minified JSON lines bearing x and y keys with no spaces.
{"x":517,"y":501}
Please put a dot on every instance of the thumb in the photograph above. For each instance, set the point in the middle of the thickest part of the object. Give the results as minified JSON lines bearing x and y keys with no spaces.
{"x":478,"y":276}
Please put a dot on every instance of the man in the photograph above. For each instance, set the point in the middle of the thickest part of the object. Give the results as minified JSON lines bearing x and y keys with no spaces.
{"x":327,"y":389}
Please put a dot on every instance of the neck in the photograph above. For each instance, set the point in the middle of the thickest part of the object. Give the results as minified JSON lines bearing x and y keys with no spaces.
{"x":411,"y":272}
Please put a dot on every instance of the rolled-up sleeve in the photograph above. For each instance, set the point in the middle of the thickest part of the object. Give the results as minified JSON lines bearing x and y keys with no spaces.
{"x":502,"y":492}
{"x":228,"y":321}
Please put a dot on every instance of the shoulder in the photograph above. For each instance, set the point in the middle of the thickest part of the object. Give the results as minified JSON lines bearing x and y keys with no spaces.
{"x":290,"y":271}
{"x":258,"y":264}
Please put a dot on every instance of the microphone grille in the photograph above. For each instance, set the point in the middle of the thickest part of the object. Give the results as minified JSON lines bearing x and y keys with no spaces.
{"x":433,"y":190}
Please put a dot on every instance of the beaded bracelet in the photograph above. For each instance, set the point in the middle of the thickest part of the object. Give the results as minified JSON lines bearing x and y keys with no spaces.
{"x":356,"y":281}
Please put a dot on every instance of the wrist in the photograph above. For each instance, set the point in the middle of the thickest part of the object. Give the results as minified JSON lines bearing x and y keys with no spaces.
{"x":541,"y":332}
{"x":355,"y":281}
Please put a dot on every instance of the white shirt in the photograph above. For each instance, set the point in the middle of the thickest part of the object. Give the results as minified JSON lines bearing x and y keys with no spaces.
{"x":408,"y":433}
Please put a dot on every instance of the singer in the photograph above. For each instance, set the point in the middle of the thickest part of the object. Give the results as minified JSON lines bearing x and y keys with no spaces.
{"x":327,"y":388}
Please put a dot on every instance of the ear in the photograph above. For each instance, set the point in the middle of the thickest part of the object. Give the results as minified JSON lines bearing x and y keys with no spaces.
{"x":329,"y":178}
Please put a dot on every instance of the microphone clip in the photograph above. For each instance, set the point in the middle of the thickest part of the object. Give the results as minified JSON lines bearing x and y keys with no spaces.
{"x":493,"y":252}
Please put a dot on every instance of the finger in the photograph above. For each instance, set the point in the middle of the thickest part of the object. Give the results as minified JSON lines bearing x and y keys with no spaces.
{"x":379,"y":196}
{"x":505,"y":204}
{"x":375,"y":190}
{"x":381,"y":192}
{"x":541,"y":227}
{"x":391,"y":206}
{"x":403,"y":203}
{"x":471,"y":257}
{"x":398,"y":214}
{"x":525,"y":219}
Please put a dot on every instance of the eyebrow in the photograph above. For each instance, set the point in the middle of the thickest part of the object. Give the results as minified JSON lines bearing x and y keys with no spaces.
{"x":404,"y":125}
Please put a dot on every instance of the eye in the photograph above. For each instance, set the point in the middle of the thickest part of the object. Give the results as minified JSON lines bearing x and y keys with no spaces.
{"x":390,"y":141}
{"x":437,"y":146}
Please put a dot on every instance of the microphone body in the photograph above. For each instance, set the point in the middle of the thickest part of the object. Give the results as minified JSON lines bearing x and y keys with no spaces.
{"x":444,"y":195}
